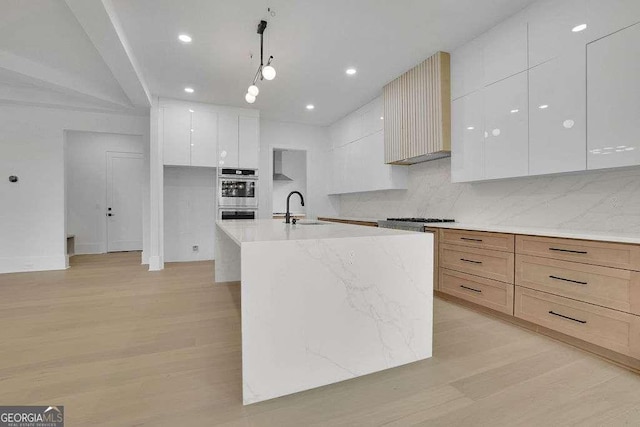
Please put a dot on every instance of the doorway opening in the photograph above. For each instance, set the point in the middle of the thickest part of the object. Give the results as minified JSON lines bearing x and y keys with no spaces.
{"x":289,"y":173}
{"x":104,"y":176}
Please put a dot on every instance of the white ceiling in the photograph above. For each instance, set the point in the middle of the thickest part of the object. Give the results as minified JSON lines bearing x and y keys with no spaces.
{"x":313,"y":42}
{"x":111,"y":54}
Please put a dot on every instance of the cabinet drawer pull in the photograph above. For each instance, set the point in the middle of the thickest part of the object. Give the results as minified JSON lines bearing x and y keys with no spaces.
{"x":568,"y":250}
{"x":567,"y":317}
{"x":471,"y":261}
{"x":568,"y":280}
{"x":470,"y":239}
{"x":471,"y":289}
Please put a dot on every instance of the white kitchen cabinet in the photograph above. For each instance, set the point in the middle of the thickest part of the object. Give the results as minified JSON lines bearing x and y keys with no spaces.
{"x":228,"y":155}
{"x":204,"y":138}
{"x":608,"y":16}
{"x":557,"y":132}
{"x":467,"y":138}
{"x":467,"y":68}
{"x":176,"y":136}
{"x":505,"y":49}
{"x":613,"y":100}
{"x":506,"y":144}
{"x":248,"y":142}
{"x":551,"y":24}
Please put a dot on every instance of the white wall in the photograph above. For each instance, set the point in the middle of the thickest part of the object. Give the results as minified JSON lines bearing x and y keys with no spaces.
{"x":32,"y":211}
{"x":294,"y":165}
{"x":86,"y":154}
{"x":594,"y":201}
{"x":189,"y":213}
{"x":313,"y":139}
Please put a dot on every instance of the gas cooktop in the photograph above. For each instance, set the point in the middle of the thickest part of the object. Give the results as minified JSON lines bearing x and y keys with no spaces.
{"x":421,"y":219}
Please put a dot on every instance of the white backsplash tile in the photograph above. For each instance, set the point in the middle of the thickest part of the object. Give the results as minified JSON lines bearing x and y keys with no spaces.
{"x":594,"y":200}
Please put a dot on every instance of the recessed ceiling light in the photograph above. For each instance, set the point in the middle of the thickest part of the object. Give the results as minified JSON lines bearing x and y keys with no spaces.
{"x":184,"y":38}
{"x":381,"y":117}
{"x":579,"y":28}
{"x":515,"y":110}
{"x":470,"y":128}
{"x":188,"y":89}
{"x":351,"y":71}
{"x":190,"y":110}
{"x":310,"y":107}
{"x":543,"y":106}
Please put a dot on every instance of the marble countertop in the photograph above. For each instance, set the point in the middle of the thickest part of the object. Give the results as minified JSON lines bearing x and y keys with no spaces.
{"x":265,"y":230}
{"x":605,"y":236}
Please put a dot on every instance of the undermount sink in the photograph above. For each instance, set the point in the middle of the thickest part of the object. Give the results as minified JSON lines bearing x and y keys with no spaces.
{"x":309,"y":222}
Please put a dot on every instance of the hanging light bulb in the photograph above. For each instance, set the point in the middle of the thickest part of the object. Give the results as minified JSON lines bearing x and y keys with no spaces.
{"x":250,"y":98}
{"x":253,"y":90}
{"x":269,"y":72}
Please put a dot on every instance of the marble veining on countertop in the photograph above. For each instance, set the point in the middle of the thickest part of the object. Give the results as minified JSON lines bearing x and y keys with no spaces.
{"x":605,"y":236}
{"x":264,"y":230}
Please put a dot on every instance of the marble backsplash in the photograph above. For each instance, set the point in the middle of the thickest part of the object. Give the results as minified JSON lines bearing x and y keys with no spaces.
{"x":593,"y":200}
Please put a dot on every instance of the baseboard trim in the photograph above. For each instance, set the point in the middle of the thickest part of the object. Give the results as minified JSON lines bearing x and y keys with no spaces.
{"x":156,"y":263}
{"x":32,"y":263}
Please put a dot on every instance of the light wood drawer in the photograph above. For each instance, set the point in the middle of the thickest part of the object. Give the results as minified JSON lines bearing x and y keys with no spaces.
{"x":607,"y":328}
{"x":607,"y":254}
{"x":489,"y":293}
{"x":479,"y":239}
{"x":494,"y":265}
{"x":605,"y":286}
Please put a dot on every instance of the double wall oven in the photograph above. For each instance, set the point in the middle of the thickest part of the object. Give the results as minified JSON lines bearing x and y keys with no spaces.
{"x":237,"y":193}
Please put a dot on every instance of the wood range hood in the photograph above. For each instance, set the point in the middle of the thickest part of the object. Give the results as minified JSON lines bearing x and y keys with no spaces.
{"x":417,"y":113}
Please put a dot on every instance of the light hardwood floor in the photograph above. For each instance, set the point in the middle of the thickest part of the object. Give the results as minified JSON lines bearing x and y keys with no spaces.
{"x":118,"y":345}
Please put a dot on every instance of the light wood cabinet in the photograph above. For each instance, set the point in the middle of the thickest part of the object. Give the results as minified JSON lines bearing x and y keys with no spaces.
{"x":489,"y":293}
{"x":617,"y":255}
{"x":608,"y":287}
{"x":417,"y":113}
{"x":479,"y":239}
{"x":604,"y":327}
{"x":494,"y":265}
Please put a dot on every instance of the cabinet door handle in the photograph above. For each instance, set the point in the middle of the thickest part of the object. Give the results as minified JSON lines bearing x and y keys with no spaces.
{"x":471,"y":261}
{"x":470,"y":239}
{"x":567,"y":317}
{"x":568,"y":250}
{"x":568,"y":280}
{"x":471,"y":289}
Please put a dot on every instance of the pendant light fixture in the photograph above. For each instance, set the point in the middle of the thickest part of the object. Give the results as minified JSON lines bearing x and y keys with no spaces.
{"x":265,"y":72}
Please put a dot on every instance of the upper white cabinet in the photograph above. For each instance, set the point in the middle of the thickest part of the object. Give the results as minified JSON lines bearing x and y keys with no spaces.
{"x":613,"y":93}
{"x":357,"y":157}
{"x":204,"y":138}
{"x":557,"y":115}
{"x":467,"y":138}
{"x":559,"y":87}
{"x":605,"y":17}
{"x":248,"y":142}
{"x":557,"y":28}
{"x":177,"y":136}
{"x":205,"y":135}
{"x":238,"y":141}
{"x":189,"y":137}
{"x":505,"y":50}
{"x":228,"y":140}
{"x":506,"y":142}
{"x":467,"y":68}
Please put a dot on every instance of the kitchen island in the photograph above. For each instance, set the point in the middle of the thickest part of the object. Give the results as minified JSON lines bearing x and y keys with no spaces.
{"x":325,"y":302}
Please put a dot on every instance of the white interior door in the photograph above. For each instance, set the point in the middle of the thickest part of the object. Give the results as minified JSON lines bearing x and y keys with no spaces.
{"x":124,"y":201}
